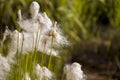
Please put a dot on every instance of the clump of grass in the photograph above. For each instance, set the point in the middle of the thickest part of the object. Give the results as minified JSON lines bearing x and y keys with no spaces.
{"x":38,"y":36}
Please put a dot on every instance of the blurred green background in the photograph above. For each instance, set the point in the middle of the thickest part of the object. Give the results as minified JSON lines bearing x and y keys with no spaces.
{"x":91,"y":26}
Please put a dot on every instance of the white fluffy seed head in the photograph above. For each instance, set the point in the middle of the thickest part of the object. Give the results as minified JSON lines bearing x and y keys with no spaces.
{"x":43,"y":73}
{"x":19,"y":15}
{"x":27,"y":77}
{"x":37,"y":67}
{"x":38,"y":70}
{"x":74,"y":72}
{"x":45,"y":22}
{"x":76,"y":65}
{"x":4,"y":67}
{"x":56,"y":33}
{"x":34,"y":9}
{"x":47,"y":74}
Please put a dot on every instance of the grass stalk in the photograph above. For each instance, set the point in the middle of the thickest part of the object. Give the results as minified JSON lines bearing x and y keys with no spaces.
{"x":63,"y":75}
{"x":17,"y":54}
{"x":26,"y":66}
{"x":32,"y":54}
{"x":43,"y":56}
{"x":35,"y":48}
{"x":20,"y":63}
{"x":50,"y":58}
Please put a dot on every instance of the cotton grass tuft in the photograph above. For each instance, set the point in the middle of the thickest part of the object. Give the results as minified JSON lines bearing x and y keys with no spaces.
{"x":74,"y":72}
{"x":42,"y":73}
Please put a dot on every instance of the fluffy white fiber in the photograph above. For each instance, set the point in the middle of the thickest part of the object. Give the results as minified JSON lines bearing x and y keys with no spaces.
{"x":37,"y":33}
{"x":4,"y":67}
{"x":42,"y":73}
{"x":74,"y":72}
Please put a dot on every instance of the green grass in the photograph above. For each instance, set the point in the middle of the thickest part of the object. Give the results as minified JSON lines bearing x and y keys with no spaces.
{"x":79,"y":20}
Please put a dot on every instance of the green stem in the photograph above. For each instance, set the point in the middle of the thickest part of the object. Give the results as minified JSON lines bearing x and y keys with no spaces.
{"x":42,"y":59}
{"x":27,"y":56}
{"x":32,"y":54}
{"x":117,"y":61}
{"x":39,"y":34}
{"x":62,"y":76}
{"x":35,"y":48}
{"x":50,"y":58}
{"x":20,"y":57}
{"x":17,"y":57}
{"x":36,"y":41}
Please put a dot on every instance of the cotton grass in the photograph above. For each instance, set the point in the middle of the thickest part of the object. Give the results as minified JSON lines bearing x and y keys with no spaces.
{"x":38,"y":33}
{"x":4,"y":67}
{"x":42,"y":73}
{"x":74,"y":72}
